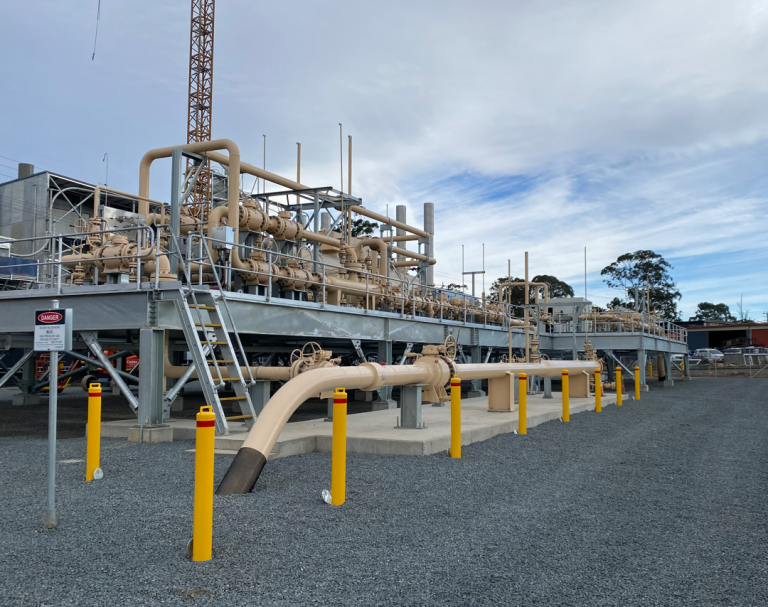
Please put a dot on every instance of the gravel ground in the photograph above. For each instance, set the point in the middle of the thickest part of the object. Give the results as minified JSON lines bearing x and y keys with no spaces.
{"x":661,"y":502}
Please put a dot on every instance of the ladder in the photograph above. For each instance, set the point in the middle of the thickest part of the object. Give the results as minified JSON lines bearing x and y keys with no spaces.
{"x":207,"y":335}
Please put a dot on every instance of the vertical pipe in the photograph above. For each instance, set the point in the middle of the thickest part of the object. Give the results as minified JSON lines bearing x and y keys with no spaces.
{"x":619,"y":386}
{"x":325,"y":221}
{"x":298,"y":177}
{"x":316,"y":228}
{"x":566,"y":395}
{"x":339,"y":448}
{"x":527,"y":301}
{"x":341,"y":186}
{"x":50,"y":515}
{"x":598,"y":392}
{"x":522,"y":405}
{"x":205,"y":437}
{"x":173,"y":257}
{"x":93,"y":446}
{"x":455,"y":417}
{"x":637,"y":382}
{"x":509,"y":308}
{"x":429,"y":228}
{"x":349,"y":189}
{"x":400,"y":216}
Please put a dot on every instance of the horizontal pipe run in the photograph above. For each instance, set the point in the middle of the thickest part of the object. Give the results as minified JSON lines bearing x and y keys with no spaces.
{"x":433,"y":372}
{"x":384,"y":219}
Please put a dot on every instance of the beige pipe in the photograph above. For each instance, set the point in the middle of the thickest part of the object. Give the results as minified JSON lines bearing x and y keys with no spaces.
{"x":381,"y":247}
{"x":413,"y":255}
{"x":384,"y":219}
{"x":404,"y":238}
{"x":270,"y":373}
{"x":367,"y":376}
{"x":434,"y":372}
{"x":256,"y":171}
{"x":546,"y":368}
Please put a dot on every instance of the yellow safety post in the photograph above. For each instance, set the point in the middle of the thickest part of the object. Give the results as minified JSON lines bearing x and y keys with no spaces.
{"x":202,"y":537}
{"x":93,"y":442}
{"x":598,"y":392}
{"x":522,"y":394}
{"x":650,"y":374}
{"x":455,"y":417}
{"x":619,"y":386}
{"x":339,"y":448}
{"x":566,"y":404}
{"x":637,"y":382}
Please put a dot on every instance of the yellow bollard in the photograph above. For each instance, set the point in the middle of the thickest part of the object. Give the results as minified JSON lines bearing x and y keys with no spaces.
{"x":339,"y":448}
{"x":598,"y":392}
{"x":637,"y":382}
{"x":522,"y":393}
{"x":202,"y":535}
{"x":455,"y":417}
{"x":650,"y":373}
{"x":619,"y":386}
{"x":566,"y":404}
{"x":93,"y":442}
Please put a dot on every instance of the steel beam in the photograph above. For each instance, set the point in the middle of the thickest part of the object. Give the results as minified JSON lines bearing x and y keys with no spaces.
{"x":89,"y":338}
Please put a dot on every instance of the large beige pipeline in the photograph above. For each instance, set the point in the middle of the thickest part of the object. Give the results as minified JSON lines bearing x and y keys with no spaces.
{"x":429,"y":370}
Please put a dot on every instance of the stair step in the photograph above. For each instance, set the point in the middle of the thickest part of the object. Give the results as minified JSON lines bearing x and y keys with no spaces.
{"x":219,"y":361}
{"x":240,"y":417}
{"x":233,"y":398}
{"x":202,"y":307}
{"x":197,"y":324}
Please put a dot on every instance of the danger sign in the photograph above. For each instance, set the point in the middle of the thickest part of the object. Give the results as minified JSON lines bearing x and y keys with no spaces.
{"x":53,"y":330}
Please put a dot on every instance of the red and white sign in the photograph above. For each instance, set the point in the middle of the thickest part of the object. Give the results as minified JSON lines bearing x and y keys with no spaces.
{"x":50,"y":317}
{"x":53,"y":330}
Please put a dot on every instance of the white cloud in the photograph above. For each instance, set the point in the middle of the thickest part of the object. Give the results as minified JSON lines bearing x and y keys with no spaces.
{"x":635,"y":124}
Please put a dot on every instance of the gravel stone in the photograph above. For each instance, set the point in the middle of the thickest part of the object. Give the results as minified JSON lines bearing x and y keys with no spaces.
{"x":659,"y":502}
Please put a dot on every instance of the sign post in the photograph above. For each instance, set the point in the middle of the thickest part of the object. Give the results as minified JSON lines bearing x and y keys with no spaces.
{"x":53,"y":333}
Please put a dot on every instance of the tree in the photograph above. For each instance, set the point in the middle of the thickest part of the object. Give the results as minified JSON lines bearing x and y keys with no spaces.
{"x":634,"y":272}
{"x":362,"y":228}
{"x":743,"y":314}
{"x":557,"y":288}
{"x":713,"y":312}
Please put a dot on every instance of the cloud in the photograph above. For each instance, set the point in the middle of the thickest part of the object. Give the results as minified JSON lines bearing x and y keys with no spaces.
{"x":541,"y":125}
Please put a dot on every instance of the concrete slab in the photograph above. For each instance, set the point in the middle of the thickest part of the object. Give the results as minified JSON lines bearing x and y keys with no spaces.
{"x":150,"y":433}
{"x":376,"y":432}
{"x":183,"y":429}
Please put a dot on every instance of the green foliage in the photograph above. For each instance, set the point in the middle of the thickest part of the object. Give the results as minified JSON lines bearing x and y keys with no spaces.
{"x":713,"y":312}
{"x":641,"y":269}
{"x":557,"y":288}
{"x":362,"y":228}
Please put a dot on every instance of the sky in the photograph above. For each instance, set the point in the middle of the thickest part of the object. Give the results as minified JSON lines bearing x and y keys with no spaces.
{"x":536,"y":125}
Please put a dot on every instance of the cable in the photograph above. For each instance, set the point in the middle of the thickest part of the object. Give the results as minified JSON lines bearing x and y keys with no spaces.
{"x":98,"y":16}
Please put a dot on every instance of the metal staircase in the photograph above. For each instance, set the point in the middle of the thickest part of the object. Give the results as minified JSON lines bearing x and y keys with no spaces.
{"x":204,"y":325}
{"x":207,"y":324}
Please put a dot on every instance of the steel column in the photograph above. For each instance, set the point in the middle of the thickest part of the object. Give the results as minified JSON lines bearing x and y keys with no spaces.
{"x":151,"y":353}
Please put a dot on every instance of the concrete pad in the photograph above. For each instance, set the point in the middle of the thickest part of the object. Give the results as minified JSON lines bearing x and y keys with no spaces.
{"x":668,"y":383}
{"x":183,"y":429}
{"x":685,"y":378}
{"x":644,"y":388}
{"x":24,"y":399}
{"x":375,"y":432}
{"x":159,"y":433}
{"x":475,"y":393}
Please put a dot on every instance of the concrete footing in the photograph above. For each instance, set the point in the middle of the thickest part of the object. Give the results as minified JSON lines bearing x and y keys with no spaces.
{"x":382,"y":405}
{"x":685,"y":378}
{"x":644,"y":388}
{"x":668,"y":383}
{"x":159,"y":433}
{"x":178,"y":404}
{"x":476,"y":394}
{"x":23,"y":399}
{"x":363,"y":396}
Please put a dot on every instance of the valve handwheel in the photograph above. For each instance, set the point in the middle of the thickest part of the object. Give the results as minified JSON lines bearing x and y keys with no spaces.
{"x":451,"y":347}
{"x":315,"y":350}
